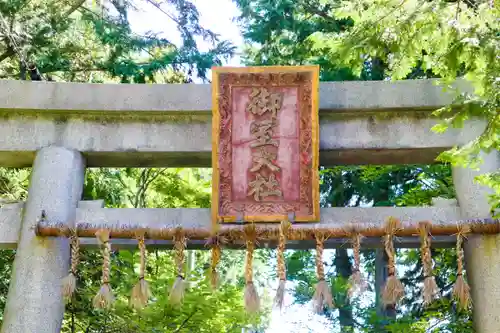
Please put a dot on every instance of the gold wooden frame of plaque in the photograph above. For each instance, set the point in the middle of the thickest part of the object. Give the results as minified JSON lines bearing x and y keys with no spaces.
{"x":302,"y":77}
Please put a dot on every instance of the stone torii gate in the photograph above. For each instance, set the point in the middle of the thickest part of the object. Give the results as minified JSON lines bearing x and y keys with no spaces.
{"x":59,"y":129}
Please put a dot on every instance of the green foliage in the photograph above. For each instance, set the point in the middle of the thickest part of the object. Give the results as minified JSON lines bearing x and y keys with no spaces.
{"x":455,"y":41}
{"x":363,"y":39}
{"x":349,"y":46}
{"x":72,"y":41}
{"x":277,"y":33}
{"x":202,"y":310}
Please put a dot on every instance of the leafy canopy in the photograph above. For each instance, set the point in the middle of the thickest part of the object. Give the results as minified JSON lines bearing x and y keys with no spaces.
{"x":455,"y":41}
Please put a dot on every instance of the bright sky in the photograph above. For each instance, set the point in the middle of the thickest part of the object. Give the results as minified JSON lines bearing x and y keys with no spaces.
{"x":218,"y":15}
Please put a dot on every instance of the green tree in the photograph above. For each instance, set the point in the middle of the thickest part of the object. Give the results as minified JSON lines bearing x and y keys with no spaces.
{"x":452,"y":40}
{"x":70,"y":41}
{"x":277,"y":33}
{"x":203,"y":310}
{"x":308,"y":32}
{"x":75,"y":41}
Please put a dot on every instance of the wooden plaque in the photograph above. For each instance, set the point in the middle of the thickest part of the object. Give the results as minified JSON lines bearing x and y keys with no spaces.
{"x":265,"y":144}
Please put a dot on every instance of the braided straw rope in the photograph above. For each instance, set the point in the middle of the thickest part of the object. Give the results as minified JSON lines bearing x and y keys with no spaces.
{"x":104,"y":298}
{"x":215,"y":242}
{"x":69,"y":282}
{"x":216,"y":256}
{"x":430,"y":287}
{"x":251,"y":297}
{"x":461,"y":289}
{"x":357,"y":282}
{"x":320,"y":268}
{"x":250,"y":245}
{"x":141,"y":291}
{"x":322,"y":295}
{"x":283,"y":232}
{"x":280,"y":292}
{"x":394,"y":290}
{"x":177,"y":291}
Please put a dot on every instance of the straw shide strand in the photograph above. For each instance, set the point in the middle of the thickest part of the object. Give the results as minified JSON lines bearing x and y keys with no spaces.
{"x":461,"y":289}
{"x":430,"y":287}
{"x":280,"y":292}
{"x":357,"y":282}
{"x":251,"y":297}
{"x":215,"y":243}
{"x":141,"y":292}
{"x":322,"y":295}
{"x":177,"y":292}
{"x":104,"y":298}
{"x":393,"y":290}
{"x":69,"y":282}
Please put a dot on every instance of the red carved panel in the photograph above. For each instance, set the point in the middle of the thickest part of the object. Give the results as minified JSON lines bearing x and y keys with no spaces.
{"x":265,"y":148}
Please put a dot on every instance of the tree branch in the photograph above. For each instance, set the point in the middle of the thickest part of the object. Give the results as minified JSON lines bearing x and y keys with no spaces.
{"x":74,"y":8}
{"x":170,"y":16}
{"x":322,"y":12}
{"x":186,"y":320}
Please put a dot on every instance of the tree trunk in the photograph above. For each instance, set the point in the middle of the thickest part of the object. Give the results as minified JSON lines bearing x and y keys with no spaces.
{"x":22,"y":71}
{"x":344,"y":270}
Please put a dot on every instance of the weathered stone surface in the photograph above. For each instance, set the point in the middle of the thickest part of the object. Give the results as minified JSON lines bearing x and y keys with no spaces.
{"x":10,"y":224}
{"x":34,"y":301}
{"x":119,"y":98}
{"x":158,"y":125}
{"x":160,"y":142}
{"x":482,"y":252}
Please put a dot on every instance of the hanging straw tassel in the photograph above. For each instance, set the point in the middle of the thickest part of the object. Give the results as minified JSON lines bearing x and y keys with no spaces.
{"x":280,"y":292}
{"x":394,"y":290}
{"x":141,"y":291}
{"x":322,"y":295}
{"x":177,"y":291}
{"x":252,"y":301}
{"x":461,"y":290}
{"x":69,"y":282}
{"x":357,"y":282}
{"x":216,"y":255}
{"x":430,"y":286}
{"x":104,"y":298}
{"x":215,"y":243}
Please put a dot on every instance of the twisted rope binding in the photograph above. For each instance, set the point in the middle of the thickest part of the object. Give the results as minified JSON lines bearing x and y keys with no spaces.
{"x":280,"y":292}
{"x":461,"y":289}
{"x":357,"y":282}
{"x":177,"y":291}
{"x":215,"y":243}
{"x":251,"y":297}
{"x":394,"y":290}
{"x":322,"y":295}
{"x":430,"y":287}
{"x":69,"y":282}
{"x":104,"y":298}
{"x":141,"y":291}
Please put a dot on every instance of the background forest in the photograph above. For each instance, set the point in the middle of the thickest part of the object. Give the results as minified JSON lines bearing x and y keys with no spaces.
{"x":92,"y":41}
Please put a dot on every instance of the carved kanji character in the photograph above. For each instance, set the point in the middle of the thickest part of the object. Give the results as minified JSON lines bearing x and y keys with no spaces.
{"x":261,"y":101}
{"x":262,"y":131}
{"x":263,"y":157}
{"x":262,"y":187}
